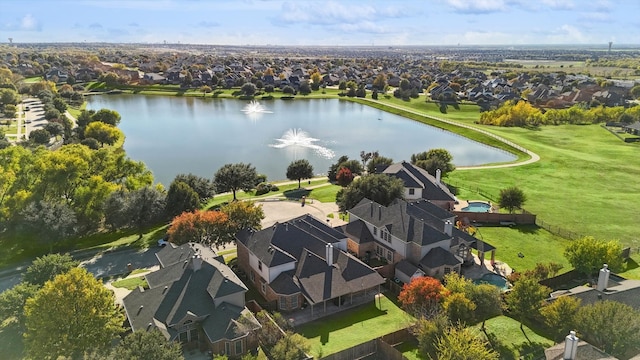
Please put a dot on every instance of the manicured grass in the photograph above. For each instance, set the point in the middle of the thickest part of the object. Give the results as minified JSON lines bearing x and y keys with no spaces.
{"x":31,"y":80}
{"x":348,"y":328}
{"x":325,"y":194}
{"x":536,"y":244}
{"x":131,"y":283}
{"x":507,"y":331}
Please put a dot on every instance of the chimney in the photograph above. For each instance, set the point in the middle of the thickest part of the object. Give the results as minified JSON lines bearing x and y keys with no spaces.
{"x":379,"y":212}
{"x":570,"y":346}
{"x":438,"y":174}
{"x":603,"y":278}
{"x":448,"y":227}
{"x":196,"y":262}
{"x":329,"y":254}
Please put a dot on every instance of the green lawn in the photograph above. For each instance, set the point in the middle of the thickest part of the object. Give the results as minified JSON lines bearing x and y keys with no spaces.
{"x":346,"y":329}
{"x":131,"y":283}
{"x":11,"y":346}
{"x":507,"y":332}
{"x":536,"y":244}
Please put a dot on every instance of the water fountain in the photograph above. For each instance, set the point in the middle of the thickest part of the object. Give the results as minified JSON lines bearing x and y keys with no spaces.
{"x":254,"y":107}
{"x":297,"y":137}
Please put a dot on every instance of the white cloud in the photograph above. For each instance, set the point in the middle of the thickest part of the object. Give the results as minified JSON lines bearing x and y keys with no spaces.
{"x":334,"y":13}
{"x":596,"y":16}
{"x":478,"y":6}
{"x":567,"y":34}
{"x":559,"y":4}
{"x":29,"y":23}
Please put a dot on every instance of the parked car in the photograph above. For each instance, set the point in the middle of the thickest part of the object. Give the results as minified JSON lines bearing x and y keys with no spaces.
{"x":162,"y":242}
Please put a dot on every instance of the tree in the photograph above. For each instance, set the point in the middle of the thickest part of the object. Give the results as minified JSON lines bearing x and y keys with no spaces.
{"x":209,"y":227}
{"x":181,"y":198}
{"x":147,"y":345}
{"x":305,"y":88}
{"x":587,"y":255}
{"x":104,"y":133}
{"x":54,"y":129}
{"x":488,"y":300}
{"x":51,"y":221}
{"x":611,"y":326}
{"x":12,"y":302}
{"x":72,"y":314}
{"x":201,"y":185}
{"x":434,"y":159}
{"x":60,"y":105}
{"x":10,"y":111}
{"x":380,"y":188}
{"x":458,"y":308}
{"x":344,"y":177}
{"x":234,"y":177}
{"x":511,"y":198}
{"x":107,"y":116}
{"x":560,"y":315}
{"x":248,"y":89}
{"x":423,"y":296}
{"x":428,"y":331}
{"x":291,"y":346}
{"x":378,"y":161}
{"x":298,"y":170}
{"x":40,"y":136}
{"x":526,"y":298}
{"x":146,"y":208}
{"x":380,"y":82}
{"x":463,"y":344}
{"x":47,"y":267}
{"x":243,"y":215}
{"x":269,"y":333}
{"x":343,"y":162}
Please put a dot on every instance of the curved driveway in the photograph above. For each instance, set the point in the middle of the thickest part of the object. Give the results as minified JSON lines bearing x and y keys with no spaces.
{"x":533,"y":156}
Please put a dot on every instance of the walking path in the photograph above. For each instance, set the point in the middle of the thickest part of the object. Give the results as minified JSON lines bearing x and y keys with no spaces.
{"x":533,"y":156}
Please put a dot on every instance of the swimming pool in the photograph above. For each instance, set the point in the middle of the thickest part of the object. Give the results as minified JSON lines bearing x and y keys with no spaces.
{"x":493,"y":279}
{"x":477,"y":206}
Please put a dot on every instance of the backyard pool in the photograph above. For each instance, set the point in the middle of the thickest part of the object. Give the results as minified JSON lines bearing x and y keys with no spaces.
{"x":477,"y":206}
{"x":493,"y":279}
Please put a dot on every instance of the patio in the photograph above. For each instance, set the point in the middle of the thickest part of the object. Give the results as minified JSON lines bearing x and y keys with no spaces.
{"x":477,"y":270}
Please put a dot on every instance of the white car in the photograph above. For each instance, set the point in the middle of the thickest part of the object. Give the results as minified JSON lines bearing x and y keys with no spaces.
{"x":162,"y":242}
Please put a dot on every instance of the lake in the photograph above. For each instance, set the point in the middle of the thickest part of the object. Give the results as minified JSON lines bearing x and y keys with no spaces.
{"x":174,"y":135}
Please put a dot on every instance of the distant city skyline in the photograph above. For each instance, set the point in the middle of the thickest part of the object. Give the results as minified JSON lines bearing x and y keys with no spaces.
{"x":323,"y":23}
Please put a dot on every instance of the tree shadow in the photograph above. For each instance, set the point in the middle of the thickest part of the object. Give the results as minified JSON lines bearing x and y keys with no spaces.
{"x":296,"y":194}
{"x":527,"y":229}
{"x":631,"y":264}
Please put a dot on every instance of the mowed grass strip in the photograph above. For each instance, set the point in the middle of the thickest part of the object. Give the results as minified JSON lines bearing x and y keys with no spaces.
{"x":355,"y":326}
{"x":516,"y":344}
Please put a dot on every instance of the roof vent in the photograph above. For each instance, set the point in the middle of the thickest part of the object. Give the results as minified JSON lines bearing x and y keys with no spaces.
{"x":185,"y":264}
{"x":149,"y":326}
{"x":165,"y":289}
{"x":140,"y":309}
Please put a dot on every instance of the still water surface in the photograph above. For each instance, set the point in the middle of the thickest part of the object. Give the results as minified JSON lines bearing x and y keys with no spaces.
{"x":173,"y":135}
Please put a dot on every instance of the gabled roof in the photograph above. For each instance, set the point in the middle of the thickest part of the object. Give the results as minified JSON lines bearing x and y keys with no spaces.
{"x":359,"y":230}
{"x":437,"y":257}
{"x":178,"y":292}
{"x":412,"y":221}
{"x":416,"y":177}
{"x":406,"y":268}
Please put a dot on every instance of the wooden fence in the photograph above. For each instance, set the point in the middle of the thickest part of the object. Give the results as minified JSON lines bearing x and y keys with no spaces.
{"x":524,"y":218}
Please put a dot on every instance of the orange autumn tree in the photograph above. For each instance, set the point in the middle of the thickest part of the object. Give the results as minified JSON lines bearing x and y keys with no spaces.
{"x":422,"y":296}
{"x":209,"y":227}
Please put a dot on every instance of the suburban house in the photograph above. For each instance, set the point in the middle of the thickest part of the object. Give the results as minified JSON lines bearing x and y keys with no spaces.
{"x":304,"y":262}
{"x":573,"y":348}
{"x":196,"y":299}
{"x":419,"y":184}
{"x":417,"y":236}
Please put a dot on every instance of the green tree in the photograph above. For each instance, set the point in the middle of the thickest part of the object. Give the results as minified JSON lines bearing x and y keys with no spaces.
{"x":60,"y":105}
{"x":40,"y":136}
{"x":201,"y":185}
{"x":380,"y":82}
{"x":290,"y":347}
{"x":459,"y":309}
{"x":299,"y":169}
{"x":47,"y":267}
{"x":305,"y":88}
{"x":380,"y":188}
{"x":51,"y":221}
{"x":72,"y":314}
{"x":511,"y":198}
{"x":464,"y":344}
{"x":9,"y":96}
{"x":635,"y":92}
{"x":434,"y":159}
{"x":587,"y":255}
{"x":268,"y":333}
{"x":146,"y":208}
{"x":54,"y":128}
{"x":10,"y":111}
{"x":611,"y":326}
{"x":180,"y":198}
{"x":234,"y":177}
{"x":560,"y":315}
{"x":243,"y":215}
{"x":142,"y":344}
{"x":248,"y":89}
{"x":106,"y":116}
{"x":104,"y":133}
{"x":428,"y":331}
{"x":488,"y":300}
{"x":12,"y":302}
{"x":378,"y":161}
{"x":526,"y":298}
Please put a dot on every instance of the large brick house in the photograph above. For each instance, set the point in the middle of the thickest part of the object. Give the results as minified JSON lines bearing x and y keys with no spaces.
{"x":302,"y":262}
{"x":419,"y":184}
{"x":417,"y":236}
{"x":196,"y":299}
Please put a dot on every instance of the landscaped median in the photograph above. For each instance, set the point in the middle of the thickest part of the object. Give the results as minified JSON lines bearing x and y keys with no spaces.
{"x":346,"y":329}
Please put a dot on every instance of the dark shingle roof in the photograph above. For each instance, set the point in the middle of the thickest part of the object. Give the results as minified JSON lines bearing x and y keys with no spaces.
{"x":406,"y":268}
{"x":359,"y":231}
{"x":415,"y":177}
{"x":284,"y":284}
{"x":437,"y":257}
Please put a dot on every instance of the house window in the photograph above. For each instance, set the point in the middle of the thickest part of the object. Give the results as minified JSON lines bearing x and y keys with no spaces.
{"x":412,"y":191}
{"x":184,"y":337}
{"x":389,"y":256}
{"x":294,"y":302}
{"x":375,"y":231}
{"x":252,"y":276}
{"x":282,"y":300}
{"x":227,"y":348}
{"x":379,"y":251}
{"x":238,"y":347}
{"x":193,"y":335}
{"x":260,"y":265}
{"x":263,"y":287}
{"x":447,"y":270}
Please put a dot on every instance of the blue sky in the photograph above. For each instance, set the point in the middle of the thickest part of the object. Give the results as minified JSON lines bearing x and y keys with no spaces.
{"x":323,"y":22}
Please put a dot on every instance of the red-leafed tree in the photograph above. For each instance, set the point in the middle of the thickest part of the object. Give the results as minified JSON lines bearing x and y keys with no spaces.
{"x":344,"y":177}
{"x":210,"y":227}
{"x":423,"y":296}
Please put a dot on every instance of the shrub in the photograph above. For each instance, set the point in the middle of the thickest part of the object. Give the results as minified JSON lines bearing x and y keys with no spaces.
{"x":263,"y":188}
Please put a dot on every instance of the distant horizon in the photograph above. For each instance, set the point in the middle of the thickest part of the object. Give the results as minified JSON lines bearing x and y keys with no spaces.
{"x":322,"y":22}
